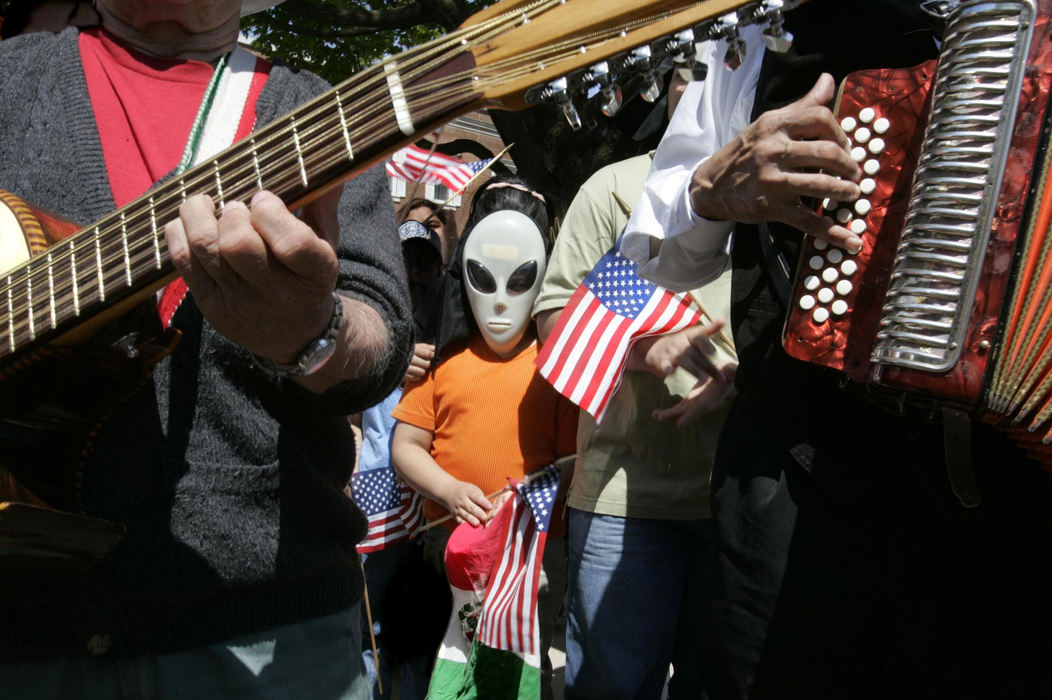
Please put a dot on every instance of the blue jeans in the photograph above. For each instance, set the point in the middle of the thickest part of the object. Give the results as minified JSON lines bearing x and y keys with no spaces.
{"x":318,"y":659}
{"x":635,"y":591}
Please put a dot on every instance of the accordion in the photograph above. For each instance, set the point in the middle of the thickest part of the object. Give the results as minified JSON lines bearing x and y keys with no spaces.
{"x":949,"y":302}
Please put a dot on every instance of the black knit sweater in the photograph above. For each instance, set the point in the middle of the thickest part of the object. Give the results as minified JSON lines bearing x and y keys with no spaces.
{"x":229,"y":481}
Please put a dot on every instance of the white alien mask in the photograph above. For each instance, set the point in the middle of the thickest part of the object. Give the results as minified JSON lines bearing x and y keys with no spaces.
{"x":503,"y":265}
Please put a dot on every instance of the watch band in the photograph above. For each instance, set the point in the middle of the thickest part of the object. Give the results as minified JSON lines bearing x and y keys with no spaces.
{"x":315,"y":354}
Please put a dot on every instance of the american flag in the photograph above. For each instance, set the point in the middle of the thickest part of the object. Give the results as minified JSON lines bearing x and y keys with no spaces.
{"x":585,"y":355}
{"x":391,"y":506}
{"x":509,"y":608}
{"x":421,"y":165}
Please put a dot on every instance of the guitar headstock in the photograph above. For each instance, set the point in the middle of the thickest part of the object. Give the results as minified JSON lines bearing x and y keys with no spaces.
{"x":573,"y":52}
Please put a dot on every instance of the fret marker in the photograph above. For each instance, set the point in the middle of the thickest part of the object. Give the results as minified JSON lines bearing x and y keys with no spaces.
{"x":51,"y":289}
{"x":98,"y":264}
{"x":343,"y":125}
{"x":156,"y":236}
{"x":398,"y":101}
{"x":73,"y":275}
{"x":299,"y":151}
{"x":10,"y":314}
{"x":219,"y":185}
{"x":127,"y":255}
{"x":29,"y":304}
{"x":255,"y":164}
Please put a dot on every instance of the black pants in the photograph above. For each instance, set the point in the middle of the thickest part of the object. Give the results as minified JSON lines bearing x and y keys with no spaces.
{"x":898,"y":593}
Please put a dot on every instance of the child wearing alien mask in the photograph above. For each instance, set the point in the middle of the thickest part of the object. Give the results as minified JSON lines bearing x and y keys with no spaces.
{"x":483,"y":414}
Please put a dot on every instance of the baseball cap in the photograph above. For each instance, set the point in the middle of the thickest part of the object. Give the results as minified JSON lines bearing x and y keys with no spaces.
{"x":415,"y":231}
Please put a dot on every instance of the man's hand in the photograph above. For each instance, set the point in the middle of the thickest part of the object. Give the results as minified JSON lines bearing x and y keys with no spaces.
{"x":423,"y":353}
{"x":789,"y":153}
{"x":702,"y":398}
{"x":261,"y":276}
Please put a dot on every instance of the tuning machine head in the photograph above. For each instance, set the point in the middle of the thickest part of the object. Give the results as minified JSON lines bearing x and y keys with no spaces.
{"x":726,"y":28}
{"x":598,"y":77}
{"x":775,"y":37}
{"x":557,"y":92}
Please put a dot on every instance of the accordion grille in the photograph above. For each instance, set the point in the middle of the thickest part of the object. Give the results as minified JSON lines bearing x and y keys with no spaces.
{"x":954,"y":192}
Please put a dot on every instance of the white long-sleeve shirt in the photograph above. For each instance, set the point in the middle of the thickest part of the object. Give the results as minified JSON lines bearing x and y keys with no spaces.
{"x":710,"y":113}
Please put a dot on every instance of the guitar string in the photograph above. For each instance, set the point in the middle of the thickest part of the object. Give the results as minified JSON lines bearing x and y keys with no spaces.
{"x":518,"y":66}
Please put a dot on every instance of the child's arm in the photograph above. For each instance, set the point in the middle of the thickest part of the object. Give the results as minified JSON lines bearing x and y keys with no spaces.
{"x":411,"y":457}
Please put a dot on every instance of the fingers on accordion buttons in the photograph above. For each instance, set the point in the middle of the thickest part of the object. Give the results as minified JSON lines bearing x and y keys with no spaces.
{"x":867,"y":114}
{"x":838,"y":307}
{"x":825,"y":295}
{"x":849,"y":267}
{"x":811,"y":283}
{"x":820,"y":315}
{"x":807,"y":302}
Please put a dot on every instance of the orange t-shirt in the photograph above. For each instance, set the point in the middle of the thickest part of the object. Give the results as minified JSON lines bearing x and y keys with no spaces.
{"x":492,"y":419}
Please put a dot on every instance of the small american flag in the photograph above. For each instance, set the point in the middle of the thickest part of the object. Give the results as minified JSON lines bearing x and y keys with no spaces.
{"x":509,"y":608}
{"x":421,"y":165}
{"x":586,"y":353}
{"x":391,"y":506}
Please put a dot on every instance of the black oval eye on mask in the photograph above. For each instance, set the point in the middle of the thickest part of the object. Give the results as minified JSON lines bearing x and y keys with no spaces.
{"x":480,"y":278}
{"x":523,"y":278}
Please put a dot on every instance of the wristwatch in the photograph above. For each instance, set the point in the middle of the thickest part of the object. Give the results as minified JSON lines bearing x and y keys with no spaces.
{"x":316,"y":353}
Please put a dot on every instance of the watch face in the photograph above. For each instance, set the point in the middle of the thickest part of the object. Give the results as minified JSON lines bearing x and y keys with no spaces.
{"x":316,"y":355}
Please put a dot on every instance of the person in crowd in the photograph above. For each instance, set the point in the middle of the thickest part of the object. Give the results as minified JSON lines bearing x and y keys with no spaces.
{"x":483,"y":414}
{"x":24,"y":16}
{"x":409,"y":600}
{"x":639,"y":536}
{"x":436,"y":218}
{"x":237,"y":574}
{"x":846,"y":565}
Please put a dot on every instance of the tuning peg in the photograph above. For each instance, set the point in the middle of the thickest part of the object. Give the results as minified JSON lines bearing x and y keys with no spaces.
{"x":726,"y":27}
{"x":610,"y":100}
{"x":651,"y":89}
{"x":556,"y":92}
{"x":598,"y":78}
{"x":775,"y":37}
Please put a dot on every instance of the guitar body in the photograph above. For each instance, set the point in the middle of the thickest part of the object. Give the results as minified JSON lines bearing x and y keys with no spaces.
{"x":52,"y":401}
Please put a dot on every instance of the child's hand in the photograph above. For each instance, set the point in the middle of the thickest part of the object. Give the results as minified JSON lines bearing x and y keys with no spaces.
{"x":467,"y":503}
{"x":423,"y":353}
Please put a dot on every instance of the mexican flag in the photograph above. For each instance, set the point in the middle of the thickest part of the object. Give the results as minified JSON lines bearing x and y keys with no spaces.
{"x":491,"y":649}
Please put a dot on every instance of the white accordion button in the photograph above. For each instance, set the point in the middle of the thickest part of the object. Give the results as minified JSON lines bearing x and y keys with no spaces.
{"x":863,"y":206}
{"x":876,"y":146}
{"x":868,"y":185}
{"x":848,"y":124}
{"x":867,"y":115}
{"x":858,"y":154}
{"x":830,"y":274}
{"x":829,"y":204}
{"x":811,"y":283}
{"x":825,"y":295}
{"x":881,"y":126}
{"x":862,"y":135}
{"x":839,"y":307}
{"x":870,"y":167}
{"x":835,"y":255}
{"x":849,"y":267}
{"x":844,"y":287}
{"x":807,"y":302}
{"x":820,"y":315}
{"x":843,"y":215}
{"x":857,"y":227}
{"x":820,"y":244}
{"x":817,"y":262}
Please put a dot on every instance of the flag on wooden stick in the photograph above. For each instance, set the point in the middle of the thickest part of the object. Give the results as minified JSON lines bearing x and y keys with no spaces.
{"x":415,"y":164}
{"x":393,"y":509}
{"x":586,"y":353}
